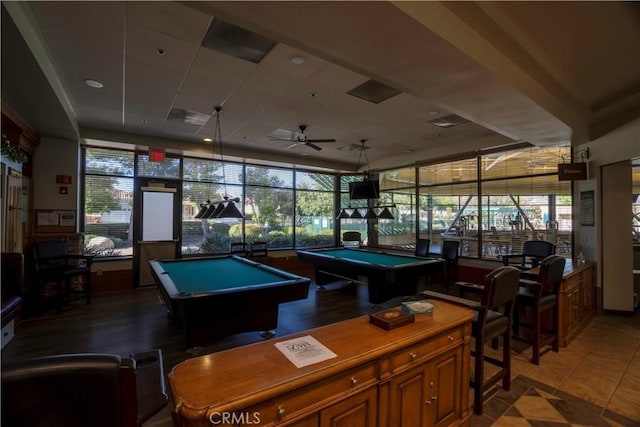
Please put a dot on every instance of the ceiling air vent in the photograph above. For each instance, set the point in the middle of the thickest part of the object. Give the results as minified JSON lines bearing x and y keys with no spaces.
{"x":449,"y":121}
{"x":191,"y":117}
{"x":374,"y":91}
{"x":235,"y":41}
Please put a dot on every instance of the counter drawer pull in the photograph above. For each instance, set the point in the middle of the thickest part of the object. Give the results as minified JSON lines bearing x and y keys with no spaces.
{"x":413,"y":356}
{"x":354,"y":381}
{"x":281,"y":412}
{"x":450,"y":338}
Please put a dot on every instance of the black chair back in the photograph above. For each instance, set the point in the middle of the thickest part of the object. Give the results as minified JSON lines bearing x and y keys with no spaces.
{"x":450,"y":250}
{"x":422,"y":247}
{"x":501,"y":287}
{"x":48,"y":250}
{"x":551,"y":272}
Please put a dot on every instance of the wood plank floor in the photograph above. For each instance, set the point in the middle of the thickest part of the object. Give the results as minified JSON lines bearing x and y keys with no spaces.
{"x":135,"y":320}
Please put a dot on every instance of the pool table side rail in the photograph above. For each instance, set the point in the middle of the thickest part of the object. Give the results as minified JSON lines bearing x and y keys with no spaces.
{"x":162,"y":277}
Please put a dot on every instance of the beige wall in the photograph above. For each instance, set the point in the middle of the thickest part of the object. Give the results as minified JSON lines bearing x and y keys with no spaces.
{"x":56,"y":157}
{"x":618,"y":146}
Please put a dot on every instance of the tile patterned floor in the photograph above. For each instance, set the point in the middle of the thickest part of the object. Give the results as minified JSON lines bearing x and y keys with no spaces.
{"x":595,"y":381}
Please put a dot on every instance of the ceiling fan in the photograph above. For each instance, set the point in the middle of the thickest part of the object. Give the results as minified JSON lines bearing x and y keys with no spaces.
{"x":298,"y":138}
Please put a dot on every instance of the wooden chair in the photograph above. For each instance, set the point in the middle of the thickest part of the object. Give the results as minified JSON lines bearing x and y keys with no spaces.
{"x":493,"y":319}
{"x":533,"y":251}
{"x":53,"y":263}
{"x":258,"y":249}
{"x":238,"y":248}
{"x":80,"y":390}
{"x":536,"y":297}
{"x":422,"y":247}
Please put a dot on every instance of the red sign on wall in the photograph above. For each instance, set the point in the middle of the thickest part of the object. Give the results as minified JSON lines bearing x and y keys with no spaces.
{"x":63,"y":179}
{"x":156,"y":155}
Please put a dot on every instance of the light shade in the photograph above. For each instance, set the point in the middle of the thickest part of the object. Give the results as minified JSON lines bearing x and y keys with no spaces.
{"x":209,"y":211}
{"x":203,"y":209}
{"x":356,"y":214}
{"x":343,"y":214}
{"x":386,"y":214}
{"x":230,"y":211}
{"x":371,"y":214}
{"x":216,"y":213}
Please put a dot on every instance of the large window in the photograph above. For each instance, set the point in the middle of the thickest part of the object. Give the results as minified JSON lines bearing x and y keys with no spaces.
{"x":269,"y":206}
{"x":398,"y":189}
{"x":355,"y":222}
{"x":108,"y":202}
{"x":521,"y":199}
{"x":206,"y":180}
{"x":314,"y":209}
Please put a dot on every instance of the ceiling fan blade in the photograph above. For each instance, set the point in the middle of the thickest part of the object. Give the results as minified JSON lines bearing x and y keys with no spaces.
{"x":321,"y":140}
{"x":293,"y":145}
{"x":315,"y":147}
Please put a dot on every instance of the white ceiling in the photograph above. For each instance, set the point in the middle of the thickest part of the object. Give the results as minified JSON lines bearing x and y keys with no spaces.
{"x":547,"y":73}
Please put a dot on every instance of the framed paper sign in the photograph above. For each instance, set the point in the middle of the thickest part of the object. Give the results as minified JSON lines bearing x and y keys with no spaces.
{"x":587,"y":208}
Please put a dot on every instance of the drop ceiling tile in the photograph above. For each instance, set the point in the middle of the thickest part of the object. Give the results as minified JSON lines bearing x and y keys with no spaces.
{"x":271,"y":81}
{"x":142,"y":44}
{"x":338,"y":78}
{"x":279,"y":58}
{"x":169,"y":18}
{"x":212,"y":64}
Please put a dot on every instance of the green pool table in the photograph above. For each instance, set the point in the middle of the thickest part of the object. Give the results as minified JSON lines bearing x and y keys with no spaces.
{"x":219,"y":296}
{"x":388,"y":275}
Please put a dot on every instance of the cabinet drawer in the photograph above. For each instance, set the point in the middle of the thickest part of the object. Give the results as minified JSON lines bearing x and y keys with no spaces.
{"x":309,"y":398}
{"x":420,"y":352}
{"x":572,"y":281}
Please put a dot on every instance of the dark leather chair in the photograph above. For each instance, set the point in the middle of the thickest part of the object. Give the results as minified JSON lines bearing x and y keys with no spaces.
{"x":238,"y":248}
{"x":422,"y":247}
{"x":53,"y":263}
{"x":536,"y":297}
{"x":12,"y":276}
{"x":533,"y":251}
{"x":81,"y":390}
{"x":450,"y":249}
{"x":493,"y":319}
{"x":258,"y":249}
{"x":351,"y":238}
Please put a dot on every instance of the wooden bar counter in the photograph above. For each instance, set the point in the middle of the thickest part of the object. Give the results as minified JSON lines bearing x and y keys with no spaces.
{"x":415,"y":375}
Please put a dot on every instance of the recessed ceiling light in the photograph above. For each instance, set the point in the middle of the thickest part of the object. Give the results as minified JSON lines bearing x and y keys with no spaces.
{"x":161,"y":52}
{"x":207,"y":140}
{"x":93,"y":83}
{"x":297,"y":60}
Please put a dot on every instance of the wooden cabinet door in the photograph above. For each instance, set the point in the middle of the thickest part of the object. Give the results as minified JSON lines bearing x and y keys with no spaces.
{"x":429,"y":394}
{"x":409,"y":403}
{"x":571,"y":309}
{"x":359,"y":410}
{"x":445,"y":388}
{"x":588,"y":291}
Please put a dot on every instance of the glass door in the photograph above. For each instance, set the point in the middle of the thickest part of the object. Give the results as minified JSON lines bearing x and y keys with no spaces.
{"x":157,"y":235}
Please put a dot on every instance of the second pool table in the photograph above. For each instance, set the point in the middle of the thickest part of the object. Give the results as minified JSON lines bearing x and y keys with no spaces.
{"x":218,"y":296}
{"x":388,"y":275}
